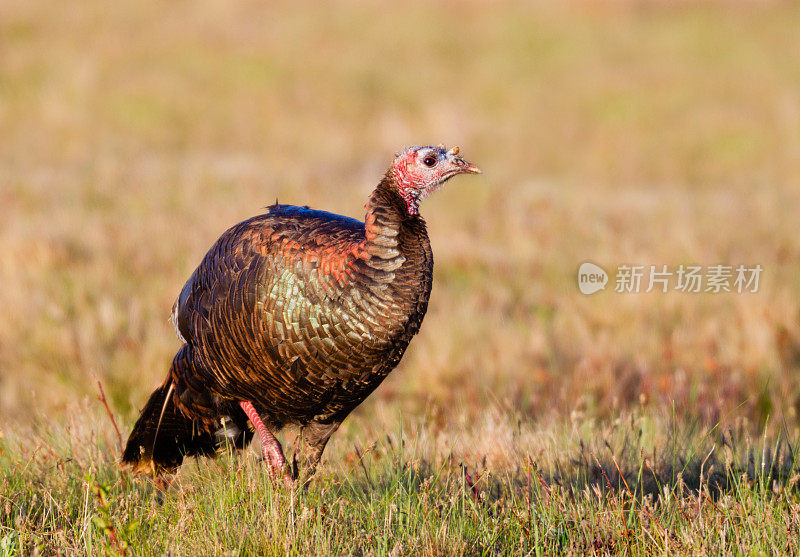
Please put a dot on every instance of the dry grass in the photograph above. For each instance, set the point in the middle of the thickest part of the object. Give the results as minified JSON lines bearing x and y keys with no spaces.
{"x":620,"y":132}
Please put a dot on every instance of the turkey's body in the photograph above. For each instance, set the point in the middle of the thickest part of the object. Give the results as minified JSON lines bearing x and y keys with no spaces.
{"x":301,"y":312}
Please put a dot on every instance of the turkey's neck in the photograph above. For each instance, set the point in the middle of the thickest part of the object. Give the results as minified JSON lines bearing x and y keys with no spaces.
{"x":392,"y":235}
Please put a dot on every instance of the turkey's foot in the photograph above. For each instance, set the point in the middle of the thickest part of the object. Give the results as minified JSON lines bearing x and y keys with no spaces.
{"x":270,"y":447}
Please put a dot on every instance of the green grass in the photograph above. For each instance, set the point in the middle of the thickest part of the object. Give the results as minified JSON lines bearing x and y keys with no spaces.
{"x":703,"y":492}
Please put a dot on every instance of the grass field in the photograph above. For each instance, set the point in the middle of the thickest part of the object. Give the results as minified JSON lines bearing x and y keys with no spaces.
{"x":526,"y":418}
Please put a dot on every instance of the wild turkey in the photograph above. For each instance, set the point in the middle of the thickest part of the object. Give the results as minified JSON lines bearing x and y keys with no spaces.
{"x":294,"y":317}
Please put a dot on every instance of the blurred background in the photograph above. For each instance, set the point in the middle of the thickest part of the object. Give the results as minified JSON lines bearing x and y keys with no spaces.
{"x":133,"y":133}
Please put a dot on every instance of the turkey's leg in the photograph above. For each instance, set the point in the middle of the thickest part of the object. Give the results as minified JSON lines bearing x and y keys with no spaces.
{"x":314,"y":437}
{"x":270,"y":446}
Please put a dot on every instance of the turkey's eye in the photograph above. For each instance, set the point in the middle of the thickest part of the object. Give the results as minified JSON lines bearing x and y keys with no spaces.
{"x":429,"y":161}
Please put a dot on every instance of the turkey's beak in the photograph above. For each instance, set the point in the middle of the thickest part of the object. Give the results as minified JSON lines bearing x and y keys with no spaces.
{"x":459,"y":165}
{"x":464,"y":167}
{"x":472,"y":169}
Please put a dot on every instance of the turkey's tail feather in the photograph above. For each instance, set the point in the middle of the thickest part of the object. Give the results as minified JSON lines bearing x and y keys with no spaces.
{"x":163,"y":435}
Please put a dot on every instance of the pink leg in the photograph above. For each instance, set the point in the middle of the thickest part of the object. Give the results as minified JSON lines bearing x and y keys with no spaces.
{"x":270,"y":446}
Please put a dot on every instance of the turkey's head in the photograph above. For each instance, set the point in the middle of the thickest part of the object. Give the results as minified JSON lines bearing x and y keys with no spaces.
{"x":420,"y":171}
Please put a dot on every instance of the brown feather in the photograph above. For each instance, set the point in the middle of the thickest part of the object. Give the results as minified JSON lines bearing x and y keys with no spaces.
{"x":301,"y":312}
